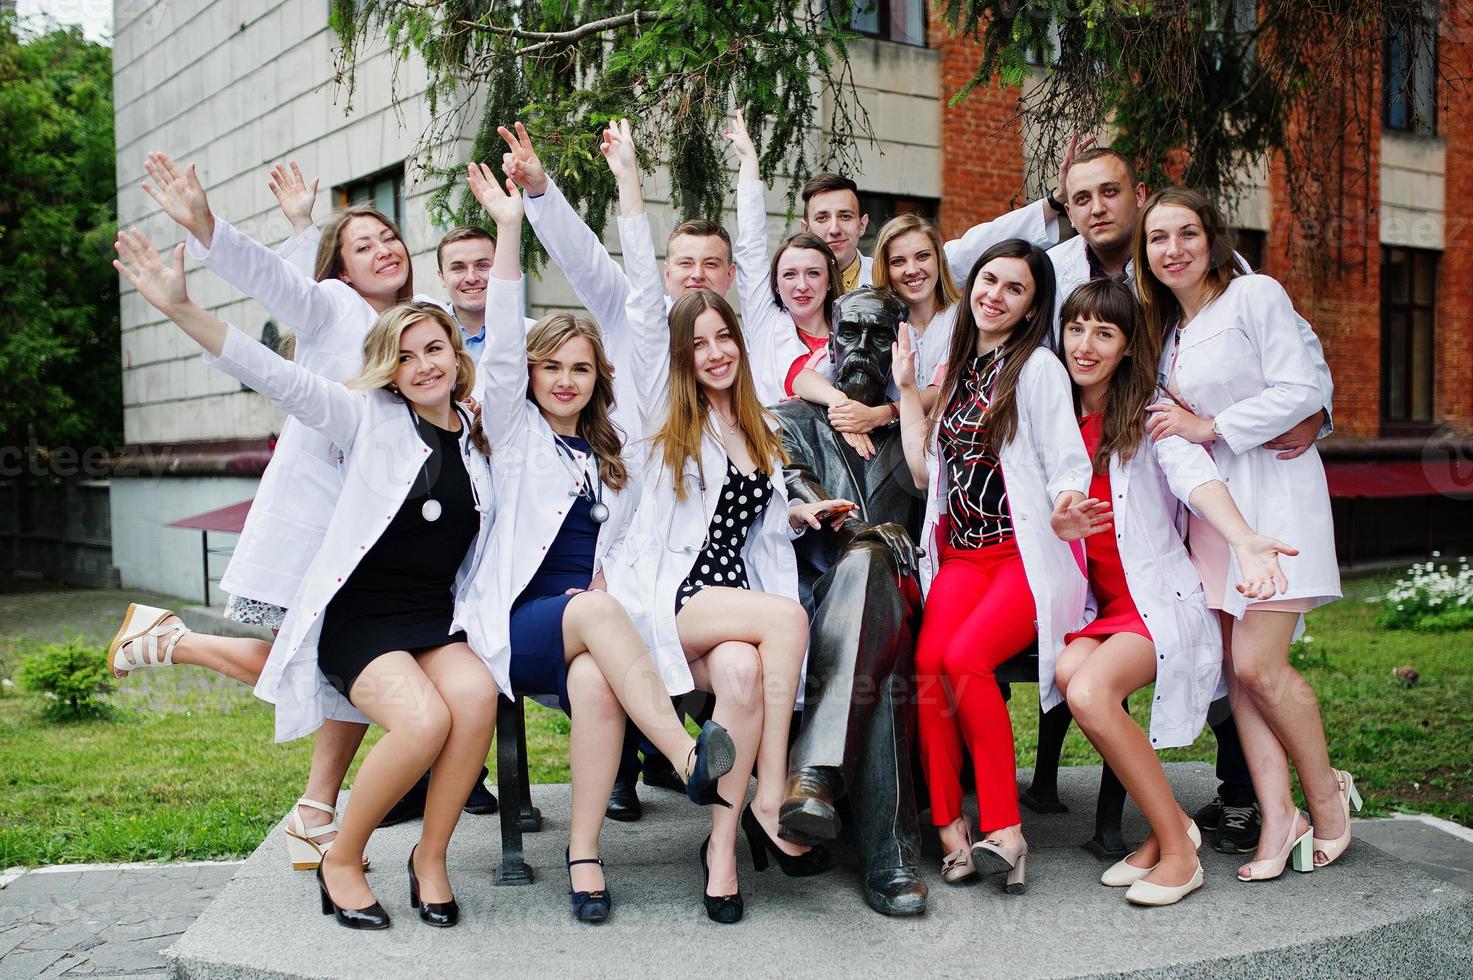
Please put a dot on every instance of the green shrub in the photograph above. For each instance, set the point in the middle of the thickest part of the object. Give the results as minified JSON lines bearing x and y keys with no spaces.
{"x":1431,"y":599}
{"x":71,"y":677}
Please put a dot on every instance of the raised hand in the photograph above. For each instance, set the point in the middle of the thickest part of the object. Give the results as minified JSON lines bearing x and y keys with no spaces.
{"x":294,"y":195}
{"x":618,"y":150}
{"x":903,"y":359}
{"x":521,"y":162}
{"x":181,"y":195}
{"x":159,"y":282}
{"x":1076,"y":517}
{"x":1258,"y":563}
{"x":741,"y":144}
{"x":503,"y":205}
{"x":1078,"y":143}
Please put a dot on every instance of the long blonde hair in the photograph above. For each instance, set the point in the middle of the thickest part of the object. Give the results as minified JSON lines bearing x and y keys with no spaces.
{"x":381,"y":355}
{"x":595,"y":423}
{"x":679,"y":438}
{"x":904,"y":224}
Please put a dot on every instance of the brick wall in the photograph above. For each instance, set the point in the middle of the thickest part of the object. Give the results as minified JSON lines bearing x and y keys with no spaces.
{"x":1453,"y":397}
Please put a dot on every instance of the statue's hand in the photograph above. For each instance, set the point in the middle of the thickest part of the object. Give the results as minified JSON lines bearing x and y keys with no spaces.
{"x":897,"y":539}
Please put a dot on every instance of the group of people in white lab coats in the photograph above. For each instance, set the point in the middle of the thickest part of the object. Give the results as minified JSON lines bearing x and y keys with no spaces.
{"x":465,"y":504}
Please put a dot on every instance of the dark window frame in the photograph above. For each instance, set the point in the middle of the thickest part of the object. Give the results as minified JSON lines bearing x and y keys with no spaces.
{"x":363,"y":191}
{"x":1399,"y":95}
{"x":881,"y":207}
{"x":890,"y":20}
{"x":1400,"y":411}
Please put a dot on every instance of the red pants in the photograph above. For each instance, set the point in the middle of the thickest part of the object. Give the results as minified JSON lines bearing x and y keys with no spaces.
{"x":979,"y":613}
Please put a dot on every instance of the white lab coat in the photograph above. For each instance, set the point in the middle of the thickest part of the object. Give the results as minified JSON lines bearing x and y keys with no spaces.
{"x":1242,"y":363}
{"x":1071,"y":270}
{"x":1044,"y":458}
{"x":667,"y":534}
{"x":384,"y":456}
{"x":1163,"y":582}
{"x":535,"y":482}
{"x":600,"y":285}
{"x":295,"y":498}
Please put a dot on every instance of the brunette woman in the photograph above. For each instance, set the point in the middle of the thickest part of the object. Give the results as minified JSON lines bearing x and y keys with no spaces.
{"x":362,"y":269}
{"x":377,"y":618}
{"x":565,"y":493}
{"x":992,"y":564}
{"x":707,"y":569}
{"x":1151,"y":622}
{"x":1236,"y":366}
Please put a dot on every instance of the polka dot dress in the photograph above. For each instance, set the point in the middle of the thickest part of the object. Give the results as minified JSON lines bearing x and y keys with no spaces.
{"x":720,"y":562}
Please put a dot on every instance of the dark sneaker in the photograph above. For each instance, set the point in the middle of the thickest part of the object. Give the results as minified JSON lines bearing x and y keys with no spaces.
{"x":658,"y":772}
{"x":410,"y":807}
{"x":1209,"y":816}
{"x":481,"y":800}
{"x":1237,"y":831}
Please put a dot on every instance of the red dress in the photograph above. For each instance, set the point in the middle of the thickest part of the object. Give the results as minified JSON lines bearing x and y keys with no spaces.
{"x":1106,"y":575}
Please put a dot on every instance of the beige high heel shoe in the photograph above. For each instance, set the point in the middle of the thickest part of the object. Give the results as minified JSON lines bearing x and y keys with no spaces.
{"x":1122,"y":874}
{"x":136,"y":644}
{"x":1349,"y":797}
{"x":1149,"y":893}
{"x":1270,"y":868}
{"x":994,"y":857}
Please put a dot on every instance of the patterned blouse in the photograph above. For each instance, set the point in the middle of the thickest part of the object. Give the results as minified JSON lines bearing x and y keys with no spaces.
{"x":976,"y":499}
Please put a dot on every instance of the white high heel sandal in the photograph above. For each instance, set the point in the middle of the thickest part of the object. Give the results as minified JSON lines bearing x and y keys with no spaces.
{"x":136,"y":643}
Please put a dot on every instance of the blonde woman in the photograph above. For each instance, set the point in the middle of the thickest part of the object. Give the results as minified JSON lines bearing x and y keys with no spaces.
{"x":707,"y":569}
{"x":376,"y":617}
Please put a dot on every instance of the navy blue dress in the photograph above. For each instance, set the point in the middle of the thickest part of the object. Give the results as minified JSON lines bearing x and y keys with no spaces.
{"x":537,"y":662}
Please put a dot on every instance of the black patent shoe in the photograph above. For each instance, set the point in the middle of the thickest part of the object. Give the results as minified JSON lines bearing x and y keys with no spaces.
{"x":713,"y":758}
{"x":725,"y":909}
{"x":815,"y":861}
{"x":895,"y":891}
{"x":624,"y":804}
{"x":441,"y":914}
{"x":373,"y":917}
{"x":591,"y":906}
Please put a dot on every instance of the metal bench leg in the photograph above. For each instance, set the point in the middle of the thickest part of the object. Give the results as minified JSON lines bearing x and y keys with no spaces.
{"x":1042,"y":795}
{"x":528,"y":815}
{"x":510,"y":776}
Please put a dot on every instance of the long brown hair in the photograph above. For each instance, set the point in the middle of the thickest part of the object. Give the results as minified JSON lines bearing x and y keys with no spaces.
{"x":904,"y":224}
{"x":1133,"y":385}
{"x":329,"y":264}
{"x":595,"y":423}
{"x":679,"y":438}
{"x":1159,"y":305}
{"x":381,"y":355}
{"x":1002,"y":411}
{"x":810,"y":241}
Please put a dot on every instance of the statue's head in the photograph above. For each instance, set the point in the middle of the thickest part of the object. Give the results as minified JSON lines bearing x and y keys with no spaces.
{"x":866,"y":322}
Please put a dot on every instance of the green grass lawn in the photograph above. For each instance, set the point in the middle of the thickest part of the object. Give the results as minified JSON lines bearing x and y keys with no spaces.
{"x":187,"y":767}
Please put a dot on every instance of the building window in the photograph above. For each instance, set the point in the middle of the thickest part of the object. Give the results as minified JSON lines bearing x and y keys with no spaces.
{"x":1046,"y":54}
{"x":1408,"y":308}
{"x":382,"y":190}
{"x":880,"y":208}
{"x":1250,"y":243}
{"x":901,"y":21}
{"x":1409,"y":100}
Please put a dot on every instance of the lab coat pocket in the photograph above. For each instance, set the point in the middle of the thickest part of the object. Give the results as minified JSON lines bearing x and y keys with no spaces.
{"x":1227,"y":368}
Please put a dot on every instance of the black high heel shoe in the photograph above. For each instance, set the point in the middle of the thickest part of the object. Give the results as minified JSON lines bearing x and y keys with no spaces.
{"x":714,"y":755}
{"x":725,"y":909}
{"x":441,"y":914}
{"x":373,"y":917}
{"x":815,"y":861}
{"x":593,"y":906}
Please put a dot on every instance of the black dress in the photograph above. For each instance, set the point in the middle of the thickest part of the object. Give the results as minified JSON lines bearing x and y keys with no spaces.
{"x":401,"y":595}
{"x":743,"y":498}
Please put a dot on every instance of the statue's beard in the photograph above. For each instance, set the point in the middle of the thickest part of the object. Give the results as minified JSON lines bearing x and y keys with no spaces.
{"x":863,"y":378}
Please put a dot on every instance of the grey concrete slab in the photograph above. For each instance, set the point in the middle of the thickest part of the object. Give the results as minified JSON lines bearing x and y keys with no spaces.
{"x":1370,"y":914}
{"x":1440,"y":853}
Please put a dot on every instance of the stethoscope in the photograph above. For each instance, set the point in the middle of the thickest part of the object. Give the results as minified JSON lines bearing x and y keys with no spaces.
{"x":589,"y":487}
{"x":706,"y":521}
{"x":431,"y":510}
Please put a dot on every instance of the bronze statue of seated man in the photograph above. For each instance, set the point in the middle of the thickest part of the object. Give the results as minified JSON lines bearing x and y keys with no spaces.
{"x":859,"y":585}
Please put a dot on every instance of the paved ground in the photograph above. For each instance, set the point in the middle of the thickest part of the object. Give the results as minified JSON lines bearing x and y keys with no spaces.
{"x":118,"y":921}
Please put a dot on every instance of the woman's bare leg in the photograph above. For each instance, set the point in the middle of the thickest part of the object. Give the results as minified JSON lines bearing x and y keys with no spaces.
{"x":469,"y":693}
{"x":399,"y":697}
{"x":778,"y":628}
{"x":1121,"y":665}
{"x":593,"y":753}
{"x":732,"y":672}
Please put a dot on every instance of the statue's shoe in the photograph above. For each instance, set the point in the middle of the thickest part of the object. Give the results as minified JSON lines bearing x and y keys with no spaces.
{"x":895,"y":891}
{"x":808,"y":814}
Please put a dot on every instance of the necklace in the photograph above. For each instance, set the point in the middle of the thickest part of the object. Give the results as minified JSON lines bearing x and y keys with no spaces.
{"x":598,"y":511}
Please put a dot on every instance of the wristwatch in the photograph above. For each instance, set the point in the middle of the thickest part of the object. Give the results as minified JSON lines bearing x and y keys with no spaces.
{"x":1216,"y":430}
{"x":1056,"y":204}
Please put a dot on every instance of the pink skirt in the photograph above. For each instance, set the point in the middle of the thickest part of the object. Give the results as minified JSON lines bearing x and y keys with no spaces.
{"x":1211,"y":553}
